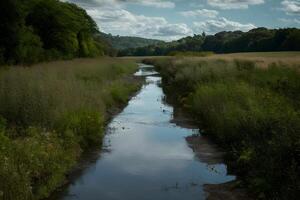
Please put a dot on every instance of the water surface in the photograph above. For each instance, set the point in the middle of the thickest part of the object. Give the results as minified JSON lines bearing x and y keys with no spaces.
{"x":145,"y":156}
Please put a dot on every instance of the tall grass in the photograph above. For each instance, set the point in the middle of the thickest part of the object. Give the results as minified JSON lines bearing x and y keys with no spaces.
{"x":49,"y":114}
{"x":191,"y":53}
{"x":251,"y":111}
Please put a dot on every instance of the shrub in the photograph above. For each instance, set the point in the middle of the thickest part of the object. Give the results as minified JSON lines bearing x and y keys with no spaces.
{"x":33,"y":166}
{"x":29,"y":49}
{"x":87,"y":127}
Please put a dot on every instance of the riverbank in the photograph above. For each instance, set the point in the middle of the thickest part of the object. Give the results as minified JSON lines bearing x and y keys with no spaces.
{"x":50,"y":113}
{"x":210,"y":153}
{"x":250,"y":108}
{"x":145,"y":154}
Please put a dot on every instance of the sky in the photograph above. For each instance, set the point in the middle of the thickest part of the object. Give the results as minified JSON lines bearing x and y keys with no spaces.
{"x":173,"y":19}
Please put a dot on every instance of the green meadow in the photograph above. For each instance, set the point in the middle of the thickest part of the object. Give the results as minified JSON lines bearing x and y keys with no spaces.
{"x":50,"y":113}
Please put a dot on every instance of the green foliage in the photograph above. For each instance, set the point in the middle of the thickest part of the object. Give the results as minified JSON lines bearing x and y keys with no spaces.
{"x":256,"y":40}
{"x":164,"y":48}
{"x":50,"y":114}
{"x":262,"y":129}
{"x":125,"y":42}
{"x":37,"y":30}
{"x":29,"y":49}
{"x":252,"y":112}
{"x":86,"y":125}
{"x":33,"y":166}
{"x":119,"y":92}
{"x":64,"y":27}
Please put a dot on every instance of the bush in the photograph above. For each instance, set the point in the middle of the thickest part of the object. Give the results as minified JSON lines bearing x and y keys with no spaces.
{"x":86,"y":126}
{"x":29,"y":49}
{"x":33,"y":166}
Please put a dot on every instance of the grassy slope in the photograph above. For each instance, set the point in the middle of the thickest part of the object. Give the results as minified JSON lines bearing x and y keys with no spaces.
{"x":50,"y":113}
{"x":251,"y":110}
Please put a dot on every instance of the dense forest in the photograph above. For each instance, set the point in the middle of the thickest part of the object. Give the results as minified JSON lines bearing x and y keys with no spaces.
{"x":256,"y":40}
{"x":127,"y":42}
{"x":41,"y":30}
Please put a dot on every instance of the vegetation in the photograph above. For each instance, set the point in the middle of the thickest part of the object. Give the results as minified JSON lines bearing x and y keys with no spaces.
{"x":256,"y":40}
{"x":49,"y":114}
{"x":127,"y":42}
{"x":252,"y":111}
{"x":191,"y":53}
{"x":42,"y":30}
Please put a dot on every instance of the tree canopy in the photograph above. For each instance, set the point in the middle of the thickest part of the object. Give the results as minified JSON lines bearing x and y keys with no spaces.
{"x":37,"y":30}
{"x":125,"y":42}
{"x":259,"y":39}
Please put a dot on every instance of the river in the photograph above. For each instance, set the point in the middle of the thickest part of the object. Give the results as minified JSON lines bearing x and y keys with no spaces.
{"x":145,"y":156}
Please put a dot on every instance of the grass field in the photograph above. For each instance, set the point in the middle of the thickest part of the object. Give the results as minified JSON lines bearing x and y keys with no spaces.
{"x":262,"y":58}
{"x":50,"y":113}
{"x":250,"y":105}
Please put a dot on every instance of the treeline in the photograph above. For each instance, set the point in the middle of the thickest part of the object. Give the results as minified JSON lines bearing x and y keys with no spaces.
{"x":42,"y":30}
{"x":127,"y":42}
{"x":256,"y":40}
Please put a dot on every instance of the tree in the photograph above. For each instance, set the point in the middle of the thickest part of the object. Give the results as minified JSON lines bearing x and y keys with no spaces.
{"x":10,"y":25}
{"x":35,"y":30}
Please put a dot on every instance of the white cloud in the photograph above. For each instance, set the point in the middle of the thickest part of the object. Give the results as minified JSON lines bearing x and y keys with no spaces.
{"x":174,"y":30}
{"x":291,"y":7}
{"x":200,"y":13}
{"x":234,"y":4}
{"x":123,"y":22}
{"x":221,"y":24}
{"x":118,"y":3}
{"x":112,"y":17}
{"x":154,"y":3}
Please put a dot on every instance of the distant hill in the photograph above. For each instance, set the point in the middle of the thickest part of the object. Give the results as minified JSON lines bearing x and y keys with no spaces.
{"x":256,"y":40}
{"x":127,"y":42}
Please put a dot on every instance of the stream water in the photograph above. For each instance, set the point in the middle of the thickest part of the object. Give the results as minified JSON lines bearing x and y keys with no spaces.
{"x":145,"y":156}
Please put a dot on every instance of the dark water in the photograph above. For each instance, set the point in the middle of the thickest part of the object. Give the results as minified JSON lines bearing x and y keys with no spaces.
{"x":145,"y":156}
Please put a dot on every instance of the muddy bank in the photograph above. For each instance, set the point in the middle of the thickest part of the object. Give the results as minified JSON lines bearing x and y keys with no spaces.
{"x":205,"y":150}
{"x":228,"y":191}
{"x":209,"y":153}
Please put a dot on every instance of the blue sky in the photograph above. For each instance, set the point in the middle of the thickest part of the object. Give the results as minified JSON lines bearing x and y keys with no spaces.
{"x":173,"y":19}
